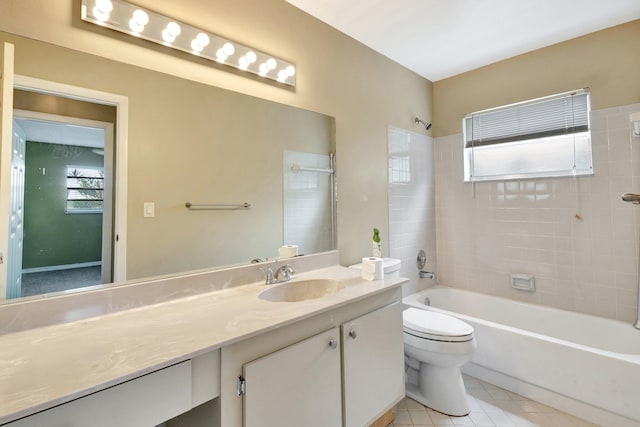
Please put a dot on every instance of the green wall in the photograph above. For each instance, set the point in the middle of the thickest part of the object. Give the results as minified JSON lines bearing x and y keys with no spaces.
{"x":52,"y":237}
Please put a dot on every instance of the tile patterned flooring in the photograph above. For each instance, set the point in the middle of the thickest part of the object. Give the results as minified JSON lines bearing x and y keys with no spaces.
{"x":490,"y":406}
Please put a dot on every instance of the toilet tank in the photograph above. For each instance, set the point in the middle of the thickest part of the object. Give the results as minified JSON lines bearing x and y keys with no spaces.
{"x":391,"y":267}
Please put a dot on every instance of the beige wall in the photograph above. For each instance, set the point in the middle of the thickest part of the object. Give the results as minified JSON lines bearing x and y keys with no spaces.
{"x":337,"y":76}
{"x":607,"y":61}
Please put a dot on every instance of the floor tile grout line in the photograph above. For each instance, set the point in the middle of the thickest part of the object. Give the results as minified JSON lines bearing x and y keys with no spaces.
{"x":508,"y":411}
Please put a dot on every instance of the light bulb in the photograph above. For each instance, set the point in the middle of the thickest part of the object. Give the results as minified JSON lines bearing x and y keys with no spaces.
{"x":173,"y":29}
{"x":100,"y":15}
{"x":251,"y":57}
{"x":135,"y":26}
{"x":195,"y":46}
{"x":271,"y":63}
{"x":170,"y":33}
{"x":220,"y":55}
{"x":167,"y":36}
{"x":202,"y":39}
{"x":290,"y":70}
{"x":199,"y":42}
{"x":282,"y":76}
{"x":264,"y":69}
{"x":141,"y":17}
{"x":104,"y":6}
{"x":139,"y":20}
{"x":228,"y":49}
{"x":243,"y":63}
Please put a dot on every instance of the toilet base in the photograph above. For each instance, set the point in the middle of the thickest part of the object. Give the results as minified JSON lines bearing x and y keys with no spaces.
{"x":440,"y":389}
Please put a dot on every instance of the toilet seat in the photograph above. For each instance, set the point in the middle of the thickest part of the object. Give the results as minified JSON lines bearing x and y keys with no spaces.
{"x":435,"y":326}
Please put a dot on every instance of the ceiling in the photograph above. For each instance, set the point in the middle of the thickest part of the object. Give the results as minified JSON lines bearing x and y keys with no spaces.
{"x":441,"y":38}
{"x":61,"y":133}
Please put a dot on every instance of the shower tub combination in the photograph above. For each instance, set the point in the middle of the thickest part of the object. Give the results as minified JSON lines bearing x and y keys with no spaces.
{"x":584,"y":365}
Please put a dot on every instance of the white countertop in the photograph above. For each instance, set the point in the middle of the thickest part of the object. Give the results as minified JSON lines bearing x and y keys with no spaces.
{"x":44,"y":367}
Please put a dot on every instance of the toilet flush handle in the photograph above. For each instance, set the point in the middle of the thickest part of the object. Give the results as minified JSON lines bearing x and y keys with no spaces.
{"x":353,"y":334}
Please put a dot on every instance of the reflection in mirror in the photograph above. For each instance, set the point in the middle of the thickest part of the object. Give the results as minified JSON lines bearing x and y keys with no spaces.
{"x":68,"y":183}
{"x":190,"y":142}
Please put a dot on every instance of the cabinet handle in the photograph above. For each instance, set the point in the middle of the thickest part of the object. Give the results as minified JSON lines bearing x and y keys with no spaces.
{"x":333,"y":343}
{"x":353,"y":334}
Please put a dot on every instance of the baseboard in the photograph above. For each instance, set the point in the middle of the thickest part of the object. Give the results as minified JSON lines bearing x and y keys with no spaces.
{"x":61,"y":267}
{"x":386,"y":419}
{"x":550,"y":398}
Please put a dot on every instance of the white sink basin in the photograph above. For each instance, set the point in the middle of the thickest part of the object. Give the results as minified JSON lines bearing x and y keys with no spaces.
{"x":301,"y":290}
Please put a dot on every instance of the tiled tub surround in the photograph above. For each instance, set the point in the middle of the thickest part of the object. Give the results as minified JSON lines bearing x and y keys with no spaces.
{"x":587,"y":265}
{"x":50,"y":365}
{"x":412,"y":214}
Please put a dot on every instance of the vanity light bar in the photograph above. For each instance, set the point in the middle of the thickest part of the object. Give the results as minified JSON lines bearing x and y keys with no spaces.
{"x":145,"y":24}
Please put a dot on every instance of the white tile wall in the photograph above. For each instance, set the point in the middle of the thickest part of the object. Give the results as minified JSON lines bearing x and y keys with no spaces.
{"x":575,"y":235}
{"x":412,"y":224}
{"x":307,"y":203}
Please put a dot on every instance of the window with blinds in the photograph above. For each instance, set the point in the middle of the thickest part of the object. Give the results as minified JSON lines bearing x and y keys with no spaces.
{"x":85,"y":189}
{"x":544,"y":137}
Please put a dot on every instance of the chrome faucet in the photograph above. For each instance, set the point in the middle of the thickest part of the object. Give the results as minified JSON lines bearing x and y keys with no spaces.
{"x":282,"y":274}
{"x":270,"y":279}
{"x":286,"y":271}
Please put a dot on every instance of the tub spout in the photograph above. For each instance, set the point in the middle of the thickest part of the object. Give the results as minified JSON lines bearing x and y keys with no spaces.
{"x":637,"y":324}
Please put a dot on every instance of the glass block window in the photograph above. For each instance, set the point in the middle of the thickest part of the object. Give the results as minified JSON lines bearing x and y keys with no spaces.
{"x":544,"y":137}
{"x":85,"y":189}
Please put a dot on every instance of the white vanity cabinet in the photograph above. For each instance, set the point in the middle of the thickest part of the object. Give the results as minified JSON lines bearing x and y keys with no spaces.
{"x":372,"y":364}
{"x":346,"y":376}
{"x":296,"y":386}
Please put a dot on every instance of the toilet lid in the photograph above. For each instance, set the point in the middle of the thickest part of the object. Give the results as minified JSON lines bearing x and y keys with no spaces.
{"x":432,"y":325}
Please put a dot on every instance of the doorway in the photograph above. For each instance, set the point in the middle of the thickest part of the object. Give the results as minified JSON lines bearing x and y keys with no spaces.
{"x":67,"y":195}
{"x":113,"y":267}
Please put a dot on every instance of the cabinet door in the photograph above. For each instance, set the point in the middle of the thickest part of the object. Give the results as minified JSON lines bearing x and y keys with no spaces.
{"x":373,"y":364}
{"x":296,"y":386}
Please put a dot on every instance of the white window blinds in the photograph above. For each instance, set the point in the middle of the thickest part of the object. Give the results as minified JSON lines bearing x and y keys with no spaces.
{"x":537,"y":138}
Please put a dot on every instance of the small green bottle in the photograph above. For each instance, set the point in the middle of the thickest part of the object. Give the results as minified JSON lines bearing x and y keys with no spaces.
{"x":377,"y":246}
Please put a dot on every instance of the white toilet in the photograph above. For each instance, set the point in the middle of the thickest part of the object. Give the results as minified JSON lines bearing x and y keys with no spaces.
{"x":436,"y":346}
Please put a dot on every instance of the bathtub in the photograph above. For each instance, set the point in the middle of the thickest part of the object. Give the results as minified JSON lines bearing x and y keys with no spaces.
{"x":584,"y":365}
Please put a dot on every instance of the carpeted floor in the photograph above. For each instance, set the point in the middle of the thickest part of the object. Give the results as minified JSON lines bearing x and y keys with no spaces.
{"x":59,"y":280}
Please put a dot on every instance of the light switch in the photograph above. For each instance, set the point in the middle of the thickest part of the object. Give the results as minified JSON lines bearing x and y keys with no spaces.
{"x":149,"y":209}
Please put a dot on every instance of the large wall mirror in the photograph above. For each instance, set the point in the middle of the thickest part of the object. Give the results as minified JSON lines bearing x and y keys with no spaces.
{"x":187,"y":142}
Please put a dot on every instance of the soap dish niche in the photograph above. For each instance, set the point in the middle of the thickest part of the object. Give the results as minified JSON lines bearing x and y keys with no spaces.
{"x":523,"y":282}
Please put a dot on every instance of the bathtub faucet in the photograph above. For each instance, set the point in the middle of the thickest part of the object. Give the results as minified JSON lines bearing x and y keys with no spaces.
{"x":427,"y":275}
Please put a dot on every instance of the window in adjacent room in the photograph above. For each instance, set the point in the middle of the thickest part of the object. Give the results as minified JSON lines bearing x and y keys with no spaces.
{"x":544,"y":137}
{"x":85,"y":189}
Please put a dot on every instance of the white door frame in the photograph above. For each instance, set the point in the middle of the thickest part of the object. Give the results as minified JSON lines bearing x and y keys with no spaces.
{"x":6,"y":127}
{"x":121,"y":154}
